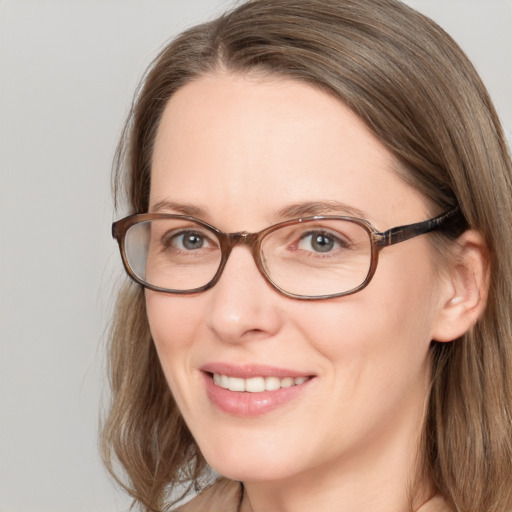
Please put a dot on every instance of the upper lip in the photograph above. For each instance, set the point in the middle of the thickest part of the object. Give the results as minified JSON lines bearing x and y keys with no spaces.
{"x":246,"y":371}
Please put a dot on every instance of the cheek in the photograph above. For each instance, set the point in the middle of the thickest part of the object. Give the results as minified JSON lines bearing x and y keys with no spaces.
{"x":173,"y":323}
{"x":386,"y":328}
{"x":172,"y":320}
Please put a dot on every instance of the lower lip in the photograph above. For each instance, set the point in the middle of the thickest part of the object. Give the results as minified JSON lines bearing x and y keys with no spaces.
{"x":244,"y":403}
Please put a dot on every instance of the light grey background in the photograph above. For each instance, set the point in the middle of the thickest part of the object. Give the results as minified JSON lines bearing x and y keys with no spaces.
{"x":68,"y":69}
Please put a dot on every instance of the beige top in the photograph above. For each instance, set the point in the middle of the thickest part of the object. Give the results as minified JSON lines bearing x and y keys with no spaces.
{"x":226,"y":496}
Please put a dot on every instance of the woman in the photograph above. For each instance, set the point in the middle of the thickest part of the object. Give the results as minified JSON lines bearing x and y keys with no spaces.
{"x":321,"y":245}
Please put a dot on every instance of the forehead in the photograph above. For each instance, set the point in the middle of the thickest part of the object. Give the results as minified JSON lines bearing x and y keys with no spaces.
{"x":252,"y":146}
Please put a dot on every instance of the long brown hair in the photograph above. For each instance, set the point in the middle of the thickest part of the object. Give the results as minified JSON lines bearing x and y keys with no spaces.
{"x":418,"y":93}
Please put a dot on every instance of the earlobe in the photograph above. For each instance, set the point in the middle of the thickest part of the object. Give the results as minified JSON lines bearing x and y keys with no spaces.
{"x":465,"y":295}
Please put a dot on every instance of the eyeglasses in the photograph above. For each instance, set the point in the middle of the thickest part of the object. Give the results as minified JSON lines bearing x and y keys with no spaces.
{"x":309,"y":258}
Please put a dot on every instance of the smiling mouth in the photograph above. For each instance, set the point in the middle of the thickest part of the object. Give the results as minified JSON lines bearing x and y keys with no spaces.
{"x":256,"y":384}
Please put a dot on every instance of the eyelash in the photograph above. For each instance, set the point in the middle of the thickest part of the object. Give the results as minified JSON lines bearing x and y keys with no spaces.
{"x":336,"y":240}
{"x":169,"y":240}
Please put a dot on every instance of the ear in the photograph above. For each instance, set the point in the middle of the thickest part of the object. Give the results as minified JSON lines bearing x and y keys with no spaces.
{"x":466,"y":286}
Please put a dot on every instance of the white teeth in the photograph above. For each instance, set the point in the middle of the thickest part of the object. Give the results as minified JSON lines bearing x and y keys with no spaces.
{"x":287,"y":382}
{"x":272,"y":383}
{"x":256,"y":384}
{"x":224,"y":381}
{"x":236,"y":384}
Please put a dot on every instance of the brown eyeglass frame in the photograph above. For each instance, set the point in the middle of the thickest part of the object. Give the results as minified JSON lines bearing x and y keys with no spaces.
{"x":227,"y":241}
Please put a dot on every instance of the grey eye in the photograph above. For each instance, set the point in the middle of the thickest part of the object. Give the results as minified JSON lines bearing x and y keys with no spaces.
{"x":320,"y":242}
{"x":191,"y":240}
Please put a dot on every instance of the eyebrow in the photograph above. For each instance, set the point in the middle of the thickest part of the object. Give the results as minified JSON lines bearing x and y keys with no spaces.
{"x":167,"y":206}
{"x":312,"y":208}
{"x":293,"y":211}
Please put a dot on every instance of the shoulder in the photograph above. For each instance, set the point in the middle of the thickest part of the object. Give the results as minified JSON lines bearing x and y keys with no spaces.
{"x":224,"y":495}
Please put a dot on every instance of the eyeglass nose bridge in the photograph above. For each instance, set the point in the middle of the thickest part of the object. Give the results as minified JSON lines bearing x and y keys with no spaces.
{"x":228,"y":241}
{"x":241,"y":238}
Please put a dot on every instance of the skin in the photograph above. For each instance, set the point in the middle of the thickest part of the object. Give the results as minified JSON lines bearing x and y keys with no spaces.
{"x":238,"y":149}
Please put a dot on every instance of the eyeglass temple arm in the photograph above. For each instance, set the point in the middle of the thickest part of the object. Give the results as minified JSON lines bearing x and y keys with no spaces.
{"x":401,"y":233}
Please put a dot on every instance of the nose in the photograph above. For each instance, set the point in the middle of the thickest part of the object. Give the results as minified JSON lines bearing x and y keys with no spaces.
{"x":242,"y":305}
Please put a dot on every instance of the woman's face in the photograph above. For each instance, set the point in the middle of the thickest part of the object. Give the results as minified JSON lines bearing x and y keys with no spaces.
{"x":243,"y":153}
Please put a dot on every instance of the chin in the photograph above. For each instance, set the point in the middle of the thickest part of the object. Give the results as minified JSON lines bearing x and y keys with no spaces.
{"x":249,"y":462}
{"x":250,"y":472}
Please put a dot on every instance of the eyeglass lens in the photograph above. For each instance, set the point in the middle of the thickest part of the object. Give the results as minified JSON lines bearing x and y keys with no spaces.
{"x":314,"y":258}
